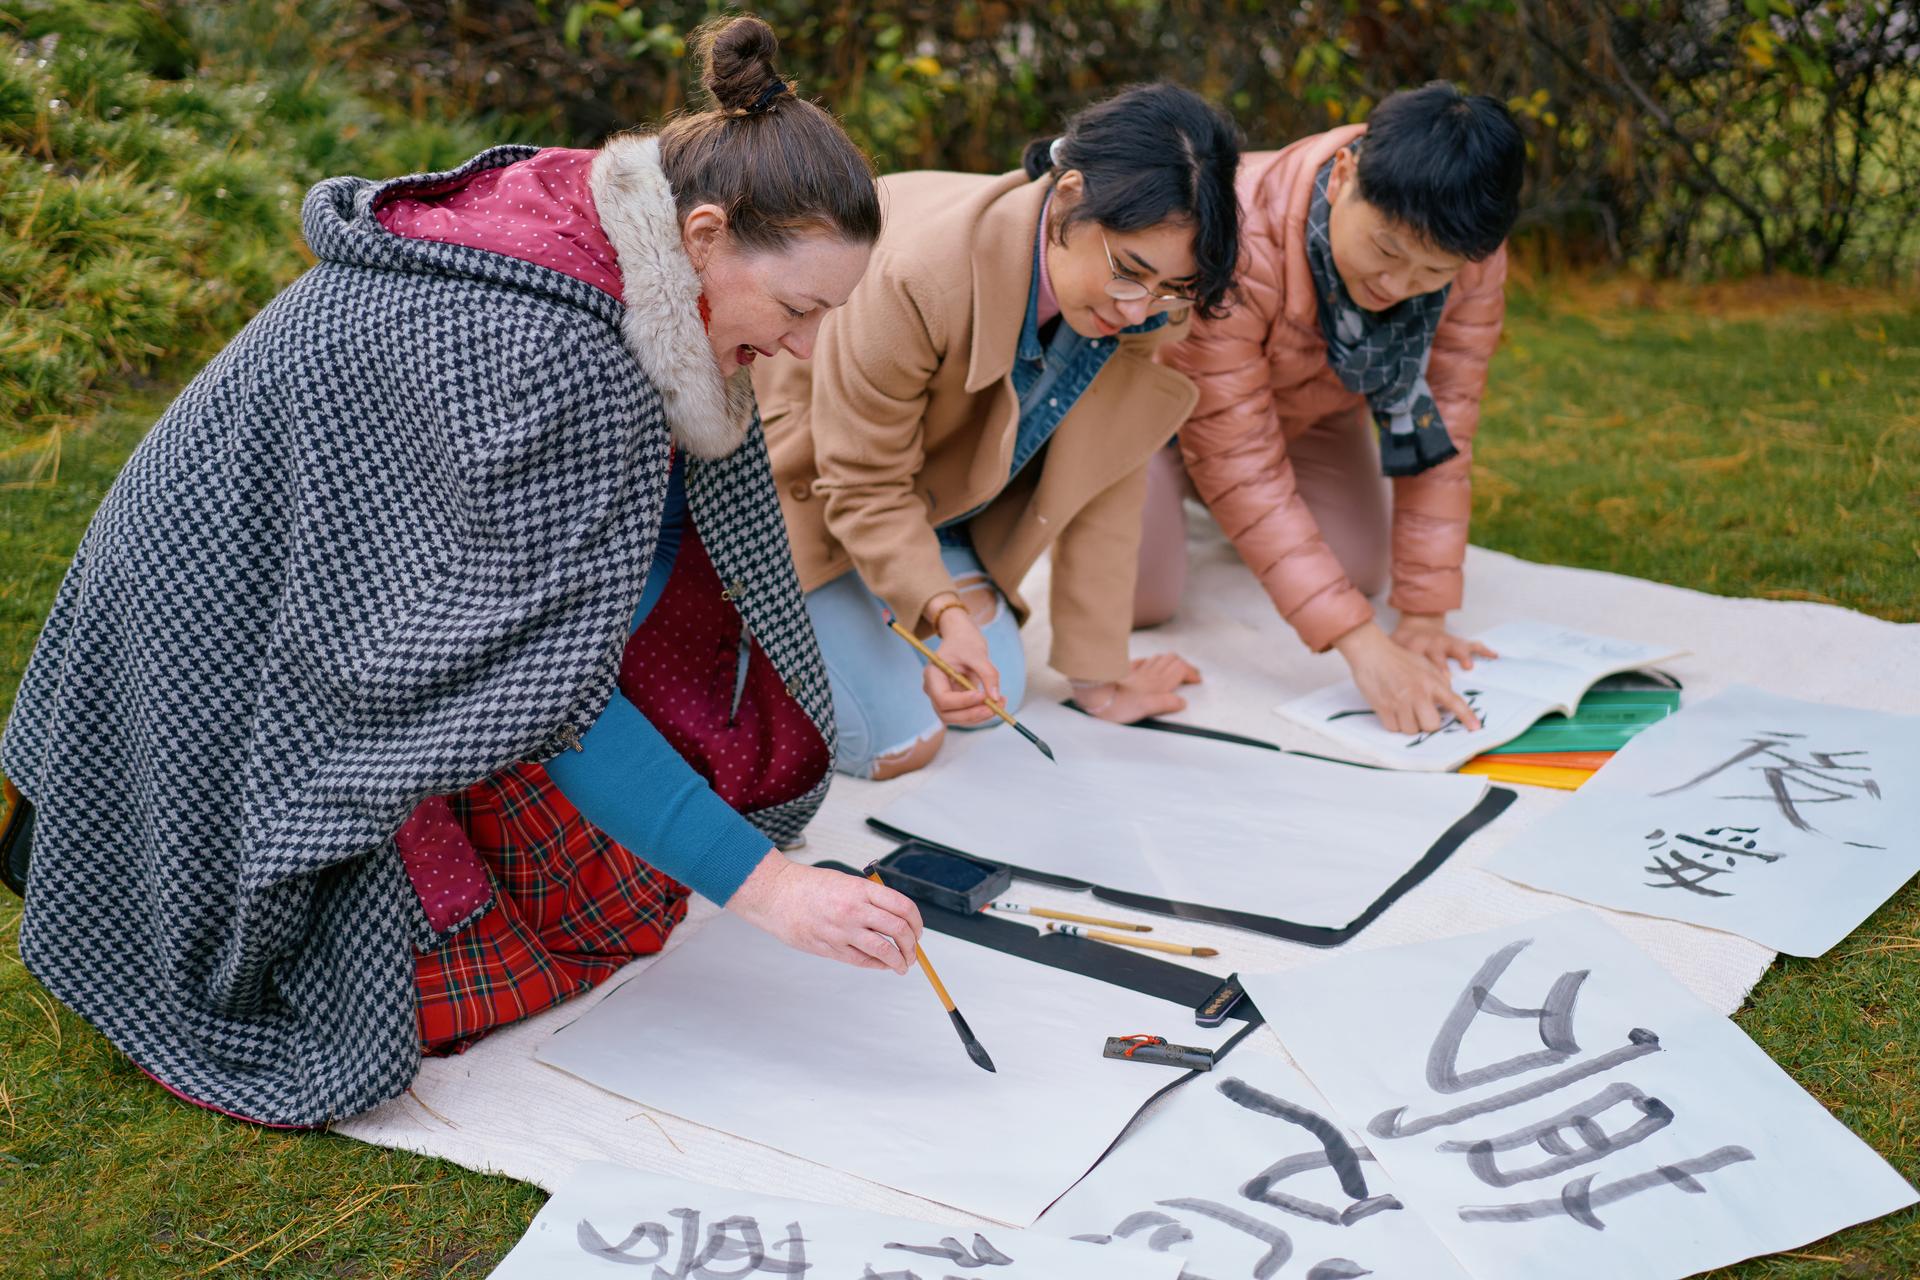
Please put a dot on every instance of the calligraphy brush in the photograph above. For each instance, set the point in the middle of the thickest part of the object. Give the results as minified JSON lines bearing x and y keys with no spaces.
{"x":975,"y":1049}
{"x":997,"y":708}
{"x":1073,"y":916}
{"x":1122,"y":940}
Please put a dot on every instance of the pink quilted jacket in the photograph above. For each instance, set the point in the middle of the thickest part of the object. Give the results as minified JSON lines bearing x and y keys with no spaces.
{"x":1264,"y":380}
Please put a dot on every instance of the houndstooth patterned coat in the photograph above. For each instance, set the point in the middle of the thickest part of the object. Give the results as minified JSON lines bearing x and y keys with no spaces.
{"x":385,"y":544}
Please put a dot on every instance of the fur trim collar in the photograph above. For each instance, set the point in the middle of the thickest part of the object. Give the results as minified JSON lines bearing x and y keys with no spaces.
{"x":708,"y":415}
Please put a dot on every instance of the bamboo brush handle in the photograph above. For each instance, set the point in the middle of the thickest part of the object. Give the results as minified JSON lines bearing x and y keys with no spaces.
{"x":997,"y":708}
{"x":939,"y":987}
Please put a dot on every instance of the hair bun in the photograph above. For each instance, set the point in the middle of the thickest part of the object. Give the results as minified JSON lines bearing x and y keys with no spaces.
{"x":737,"y":63}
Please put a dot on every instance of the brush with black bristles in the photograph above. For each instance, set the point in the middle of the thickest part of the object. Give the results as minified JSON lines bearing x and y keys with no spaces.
{"x":975,"y":1049}
{"x":997,"y":708}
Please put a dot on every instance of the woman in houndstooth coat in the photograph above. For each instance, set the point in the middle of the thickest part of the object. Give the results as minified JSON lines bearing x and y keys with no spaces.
{"x":444,"y":630}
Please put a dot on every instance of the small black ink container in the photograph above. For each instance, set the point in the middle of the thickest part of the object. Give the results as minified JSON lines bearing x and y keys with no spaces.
{"x":941,"y":878}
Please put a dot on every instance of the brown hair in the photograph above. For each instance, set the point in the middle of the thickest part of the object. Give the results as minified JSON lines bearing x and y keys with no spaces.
{"x":778,"y":164}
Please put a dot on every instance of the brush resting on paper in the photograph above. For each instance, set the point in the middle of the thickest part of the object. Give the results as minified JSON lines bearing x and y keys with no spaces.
{"x":1016,"y":908}
{"x":975,"y":1049}
{"x":1122,"y":940}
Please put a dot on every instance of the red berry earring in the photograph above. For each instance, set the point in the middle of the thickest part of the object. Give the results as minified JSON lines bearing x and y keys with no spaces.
{"x":706,"y":314}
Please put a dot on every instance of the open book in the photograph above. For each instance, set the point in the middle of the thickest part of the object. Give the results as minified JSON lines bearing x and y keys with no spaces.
{"x":1541,"y":669}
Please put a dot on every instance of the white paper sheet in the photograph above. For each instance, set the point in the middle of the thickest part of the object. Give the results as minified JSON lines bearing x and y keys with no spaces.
{"x":860,"y":1070}
{"x":1784,"y":821}
{"x":1246,"y":1172}
{"x":1190,"y":819}
{"x":1556,"y":664}
{"x":610,"y":1222}
{"x":1558,"y":1108}
{"x":1541,"y":669}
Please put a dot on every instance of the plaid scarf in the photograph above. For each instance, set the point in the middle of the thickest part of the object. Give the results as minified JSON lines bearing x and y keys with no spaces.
{"x":1382,"y":355}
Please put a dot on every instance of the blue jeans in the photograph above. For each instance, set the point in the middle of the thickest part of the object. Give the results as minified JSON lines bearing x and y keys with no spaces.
{"x":878,"y":702}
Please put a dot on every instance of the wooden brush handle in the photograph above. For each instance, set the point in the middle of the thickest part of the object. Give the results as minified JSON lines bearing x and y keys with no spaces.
{"x":998,"y":708}
{"x":939,"y":987}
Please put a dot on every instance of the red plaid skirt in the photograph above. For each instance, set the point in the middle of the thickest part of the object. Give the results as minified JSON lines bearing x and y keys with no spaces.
{"x":570,"y":907}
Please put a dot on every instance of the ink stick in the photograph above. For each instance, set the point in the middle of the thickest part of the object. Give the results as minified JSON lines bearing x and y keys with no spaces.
{"x":1213,"y":1011}
{"x":1156,"y":1050}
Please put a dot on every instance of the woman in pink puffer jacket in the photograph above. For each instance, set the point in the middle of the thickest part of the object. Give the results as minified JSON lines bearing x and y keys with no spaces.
{"x":1334,"y":431}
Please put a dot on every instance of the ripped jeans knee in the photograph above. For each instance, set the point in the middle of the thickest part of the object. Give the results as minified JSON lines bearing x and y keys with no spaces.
{"x":886,"y":726}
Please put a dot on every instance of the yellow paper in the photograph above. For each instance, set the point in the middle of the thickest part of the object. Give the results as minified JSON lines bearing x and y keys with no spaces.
{"x":1532,"y":775}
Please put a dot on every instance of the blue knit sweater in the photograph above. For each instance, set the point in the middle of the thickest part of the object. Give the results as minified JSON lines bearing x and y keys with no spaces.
{"x":628,"y":780}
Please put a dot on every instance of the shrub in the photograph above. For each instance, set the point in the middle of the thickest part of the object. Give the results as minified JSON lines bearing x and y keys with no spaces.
{"x":1692,"y":136}
{"x":151,"y":169}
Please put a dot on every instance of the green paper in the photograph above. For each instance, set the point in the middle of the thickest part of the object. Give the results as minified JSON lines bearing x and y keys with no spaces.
{"x":1605,"y":720}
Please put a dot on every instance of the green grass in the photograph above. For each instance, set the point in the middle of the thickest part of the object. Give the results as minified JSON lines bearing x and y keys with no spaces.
{"x":1740,"y":453}
{"x":1766,"y":450}
{"x":1775,"y":454}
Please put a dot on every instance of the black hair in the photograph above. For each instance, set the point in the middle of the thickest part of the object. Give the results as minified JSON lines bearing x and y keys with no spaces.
{"x":1151,"y":154}
{"x":1447,"y":165}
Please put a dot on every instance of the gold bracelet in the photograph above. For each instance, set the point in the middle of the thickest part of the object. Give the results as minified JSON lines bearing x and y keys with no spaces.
{"x":941,"y":612}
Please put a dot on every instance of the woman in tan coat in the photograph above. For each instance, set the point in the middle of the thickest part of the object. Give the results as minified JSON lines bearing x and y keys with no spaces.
{"x":1333,"y":435}
{"x":988,"y":394}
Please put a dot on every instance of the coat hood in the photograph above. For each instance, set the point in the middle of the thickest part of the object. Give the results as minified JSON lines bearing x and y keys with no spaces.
{"x":657,"y":316}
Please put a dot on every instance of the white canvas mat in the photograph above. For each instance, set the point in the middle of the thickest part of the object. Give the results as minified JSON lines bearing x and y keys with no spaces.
{"x":497,"y":1109}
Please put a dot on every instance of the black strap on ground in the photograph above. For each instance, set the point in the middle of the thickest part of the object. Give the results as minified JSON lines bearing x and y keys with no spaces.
{"x":1491,"y":806}
{"x":1134,"y":970}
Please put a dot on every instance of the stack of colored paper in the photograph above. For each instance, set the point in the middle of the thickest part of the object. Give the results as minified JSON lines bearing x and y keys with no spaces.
{"x":1564,"y":751}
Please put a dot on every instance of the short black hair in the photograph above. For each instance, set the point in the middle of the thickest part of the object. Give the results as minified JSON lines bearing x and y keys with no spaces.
{"x":1446,"y":164}
{"x":1156,"y":153}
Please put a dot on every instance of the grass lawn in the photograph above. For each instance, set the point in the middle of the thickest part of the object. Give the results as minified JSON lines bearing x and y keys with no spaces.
{"x":1759,"y":441}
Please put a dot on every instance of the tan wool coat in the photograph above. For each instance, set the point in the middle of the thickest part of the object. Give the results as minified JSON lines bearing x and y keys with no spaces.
{"x":1264,"y":380}
{"x":905,"y":418}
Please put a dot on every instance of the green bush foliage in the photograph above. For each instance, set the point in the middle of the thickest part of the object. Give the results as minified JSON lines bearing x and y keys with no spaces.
{"x":153,"y":152}
{"x":152,"y":161}
{"x":1689,"y":138}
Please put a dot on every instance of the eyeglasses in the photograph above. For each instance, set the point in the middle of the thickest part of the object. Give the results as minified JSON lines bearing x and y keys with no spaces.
{"x":1124,"y":288}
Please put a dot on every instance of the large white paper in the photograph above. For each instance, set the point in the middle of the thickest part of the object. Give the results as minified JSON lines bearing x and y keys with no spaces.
{"x":1784,"y":821}
{"x":1185,"y":818}
{"x":860,"y":1070}
{"x":1558,"y":1108}
{"x":1246,"y":1172}
{"x":613,"y":1223}
{"x":1541,"y":669}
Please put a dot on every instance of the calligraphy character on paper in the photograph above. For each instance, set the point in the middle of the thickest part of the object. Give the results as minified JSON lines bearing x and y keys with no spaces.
{"x":1333,"y":1152}
{"x":730,"y":1249}
{"x":1450,"y":724}
{"x":1574,"y":1137}
{"x":1791,"y":780}
{"x":1687,"y":862}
